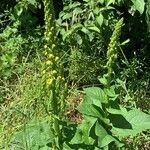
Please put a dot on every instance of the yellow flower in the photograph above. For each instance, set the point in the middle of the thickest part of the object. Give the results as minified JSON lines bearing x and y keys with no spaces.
{"x":54,"y":72}
{"x":45,"y":53}
{"x":53,"y":46}
{"x":48,"y":62}
{"x":50,"y":33}
{"x":51,"y":56}
{"x":47,"y":38}
{"x":63,"y":78}
{"x":59,"y":77}
{"x":56,"y":58}
{"x":45,"y":46}
{"x":52,"y":28}
{"x":49,"y":81}
{"x":43,"y":71}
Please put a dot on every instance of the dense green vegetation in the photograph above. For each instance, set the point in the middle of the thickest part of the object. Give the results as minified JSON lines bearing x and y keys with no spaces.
{"x":74,"y":74}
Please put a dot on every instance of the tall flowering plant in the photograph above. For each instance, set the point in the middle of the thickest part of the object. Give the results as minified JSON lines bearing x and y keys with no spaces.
{"x":52,"y":74}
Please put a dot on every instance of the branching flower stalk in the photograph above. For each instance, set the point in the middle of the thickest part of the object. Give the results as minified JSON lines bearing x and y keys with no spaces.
{"x":52,"y":76}
{"x":112,"y":51}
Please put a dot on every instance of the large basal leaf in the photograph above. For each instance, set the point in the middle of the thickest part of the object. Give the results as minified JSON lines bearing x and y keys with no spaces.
{"x":139,"y":121}
{"x":35,"y":135}
{"x":139,"y":5}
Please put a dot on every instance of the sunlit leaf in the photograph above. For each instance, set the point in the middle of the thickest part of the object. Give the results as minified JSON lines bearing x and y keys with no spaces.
{"x":94,"y":28}
{"x":100,"y":19}
{"x":139,"y":121}
{"x":139,"y":5}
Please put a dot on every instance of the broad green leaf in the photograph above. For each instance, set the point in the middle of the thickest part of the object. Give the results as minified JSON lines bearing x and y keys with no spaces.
{"x":120,"y":132}
{"x":139,"y":5}
{"x":138,"y":118}
{"x":139,"y":121}
{"x":97,"y":95}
